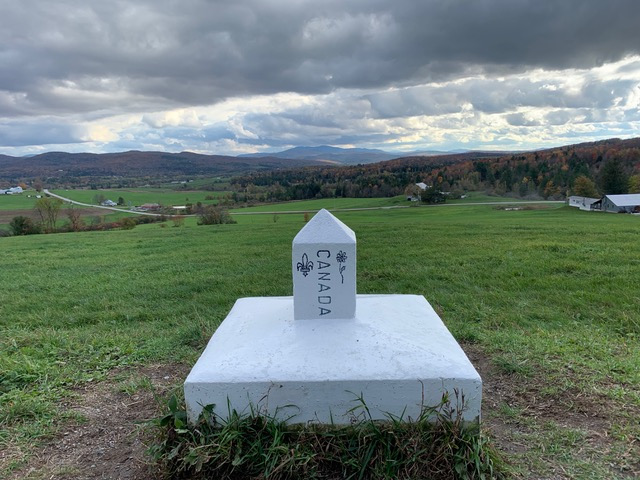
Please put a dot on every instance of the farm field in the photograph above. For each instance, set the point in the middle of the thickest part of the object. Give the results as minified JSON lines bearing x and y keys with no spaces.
{"x":23,"y":205}
{"x":138,"y":196}
{"x":328,"y":203}
{"x":20,"y":201}
{"x":354,"y":203}
{"x":544,"y":301}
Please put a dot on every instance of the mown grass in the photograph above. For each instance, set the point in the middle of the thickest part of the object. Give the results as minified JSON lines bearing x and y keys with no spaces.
{"x":22,"y":201}
{"x":328,"y":203}
{"x":550,"y":295}
{"x":355,"y":203}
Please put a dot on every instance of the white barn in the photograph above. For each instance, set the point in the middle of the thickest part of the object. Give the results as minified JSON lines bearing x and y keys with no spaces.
{"x":629,"y":203}
{"x":422,"y":186}
{"x":583,"y":203}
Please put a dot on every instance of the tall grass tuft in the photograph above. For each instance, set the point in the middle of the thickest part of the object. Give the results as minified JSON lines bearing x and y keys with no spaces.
{"x":436,"y":445}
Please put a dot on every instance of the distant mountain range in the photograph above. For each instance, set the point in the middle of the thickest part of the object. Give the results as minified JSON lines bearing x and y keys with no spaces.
{"x":137,"y":164}
{"x":134,"y":163}
{"x":343,"y":156}
{"x":64,"y":167}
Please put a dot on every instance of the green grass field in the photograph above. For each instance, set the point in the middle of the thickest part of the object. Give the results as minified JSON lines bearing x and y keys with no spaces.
{"x":355,"y":203}
{"x":138,"y":196}
{"x":24,"y":205}
{"x":23,"y":201}
{"x":547,"y":297}
{"x":328,"y":203}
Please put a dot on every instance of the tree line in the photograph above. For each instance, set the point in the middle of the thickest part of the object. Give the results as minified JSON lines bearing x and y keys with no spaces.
{"x":606,"y":167}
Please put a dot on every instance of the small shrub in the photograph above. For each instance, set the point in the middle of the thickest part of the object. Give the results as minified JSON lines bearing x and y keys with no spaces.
{"x":128,"y":223}
{"x":214,"y":215}
{"x":97,"y":220}
{"x":178,"y":220}
{"x":22,"y":225}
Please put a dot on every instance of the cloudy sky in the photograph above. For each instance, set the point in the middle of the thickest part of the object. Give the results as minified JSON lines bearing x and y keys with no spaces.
{"x":229,"y":77}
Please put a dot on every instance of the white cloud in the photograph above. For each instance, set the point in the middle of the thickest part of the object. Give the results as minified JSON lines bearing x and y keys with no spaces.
{"x":183,"y":117}
{"x":229,"y":77}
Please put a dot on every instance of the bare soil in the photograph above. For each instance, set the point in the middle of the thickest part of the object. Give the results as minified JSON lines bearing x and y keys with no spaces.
{"x":111,"y":445}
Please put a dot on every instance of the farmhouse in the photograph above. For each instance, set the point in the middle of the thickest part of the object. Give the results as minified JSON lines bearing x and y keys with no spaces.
{"x":109,"y":203}
{"x":618,"y":203}
{"x":11,"y":191}
{"x":583,"y":203}
{"x":149,"y":206}
{"x":414,"y":198}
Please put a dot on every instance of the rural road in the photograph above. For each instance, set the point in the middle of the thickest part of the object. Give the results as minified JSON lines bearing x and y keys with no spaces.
{"x":68,"y":200}
{"x":286,"y":212}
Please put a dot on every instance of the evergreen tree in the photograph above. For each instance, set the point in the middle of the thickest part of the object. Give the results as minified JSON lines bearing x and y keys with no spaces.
{"x":432,"y":195}
{"x":613,"y":179}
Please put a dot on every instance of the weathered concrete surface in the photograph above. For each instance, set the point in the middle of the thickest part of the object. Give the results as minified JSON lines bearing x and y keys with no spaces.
{"x":395,"y":352}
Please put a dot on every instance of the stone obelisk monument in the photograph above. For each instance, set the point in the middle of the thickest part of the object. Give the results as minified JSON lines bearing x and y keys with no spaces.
{"x":310,"y":357}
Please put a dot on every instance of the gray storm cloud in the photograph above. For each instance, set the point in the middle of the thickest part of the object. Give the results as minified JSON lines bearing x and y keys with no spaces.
{"x":370,"y":65}
{"x":85,"y":56}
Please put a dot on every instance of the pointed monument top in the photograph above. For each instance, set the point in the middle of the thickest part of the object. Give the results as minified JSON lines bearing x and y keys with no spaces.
{"x":324,"y":269}
{"x":325,"y":228}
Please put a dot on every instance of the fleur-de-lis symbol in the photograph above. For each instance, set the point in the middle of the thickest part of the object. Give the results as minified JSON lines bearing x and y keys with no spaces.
{"x":305,"y":266}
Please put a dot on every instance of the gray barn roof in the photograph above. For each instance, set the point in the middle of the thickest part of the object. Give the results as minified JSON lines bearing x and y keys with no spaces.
{"x":629,"y":200}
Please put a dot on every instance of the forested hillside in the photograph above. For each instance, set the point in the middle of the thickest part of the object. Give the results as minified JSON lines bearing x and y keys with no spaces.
{"x":608,"y":166}
{"x":84,"y":168}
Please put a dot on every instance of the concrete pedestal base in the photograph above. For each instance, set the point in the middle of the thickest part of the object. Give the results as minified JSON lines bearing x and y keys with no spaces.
{"x":396,"y":353}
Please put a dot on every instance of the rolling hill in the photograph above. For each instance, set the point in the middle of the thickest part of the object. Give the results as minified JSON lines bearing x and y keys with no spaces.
{"x":137,"y":164}
{"x":342,"y":156}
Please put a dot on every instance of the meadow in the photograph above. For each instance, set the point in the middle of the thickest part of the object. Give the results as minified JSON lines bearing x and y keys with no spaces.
{"x":138,"y":196}
{"x":24,"y":205}
{"x":544,"y":300}
{"x":362,"y":203}
{"x":23,"y":201}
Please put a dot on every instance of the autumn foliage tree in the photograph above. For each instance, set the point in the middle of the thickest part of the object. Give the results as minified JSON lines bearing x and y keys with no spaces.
{"x":585,"y":187}
{"x":634,"y":184}
{"x":214,"y":215}
{"x":75,"y":220}
{"x":48,"y":209}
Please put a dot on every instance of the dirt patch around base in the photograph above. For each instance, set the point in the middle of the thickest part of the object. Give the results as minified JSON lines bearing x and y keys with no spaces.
{"x":109,"y":443}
